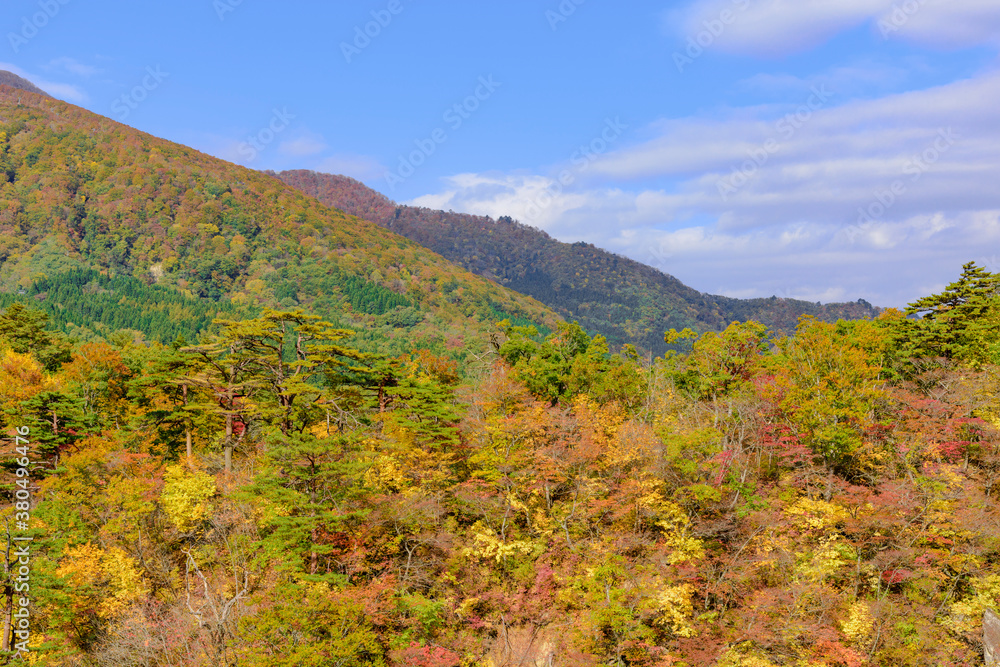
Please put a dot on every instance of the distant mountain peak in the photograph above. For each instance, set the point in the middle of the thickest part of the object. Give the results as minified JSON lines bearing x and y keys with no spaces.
{"x":20,"y":83}
{"x":622,"y":299}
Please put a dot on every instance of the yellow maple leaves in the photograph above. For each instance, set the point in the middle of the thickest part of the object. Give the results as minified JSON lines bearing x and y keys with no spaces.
{"x":860,"y":624}
{"x":21,"y":377}
{"x":385,"y":475}
{"x":675,"y":609}
{"x":487,"y":545}
{"x":740,"y":658}
{"x":108,"y":580}
{"x":817,"y":515}
{"x":675,"y":524}
{"x":967,"y":614}
{"x":185,"y":496}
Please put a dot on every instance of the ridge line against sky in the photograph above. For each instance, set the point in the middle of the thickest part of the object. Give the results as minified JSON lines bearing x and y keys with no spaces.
{"x":818,"y":150}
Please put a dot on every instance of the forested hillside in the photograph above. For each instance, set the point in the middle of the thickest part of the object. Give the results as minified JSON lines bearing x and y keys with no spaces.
{"x":104,"y":226}
{"x":621,"y":299}
{"x":19,"y":83}
{"x":275,"y":496}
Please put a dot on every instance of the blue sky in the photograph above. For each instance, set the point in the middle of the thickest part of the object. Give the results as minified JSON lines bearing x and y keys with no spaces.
{"x":818,"y":149}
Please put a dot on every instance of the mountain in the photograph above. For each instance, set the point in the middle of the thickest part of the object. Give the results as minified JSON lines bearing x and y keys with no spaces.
{"x":105,"y":228}
{"x":626,"y":301}
{"x":19,"y":83}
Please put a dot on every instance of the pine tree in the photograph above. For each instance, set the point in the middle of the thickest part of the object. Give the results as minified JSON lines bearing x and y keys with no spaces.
{"x":24,"y":329}
{"x":424,"y":406}
{"x":221,"y":370}
{"x":960,"y":323}
{"x":289,"y":354}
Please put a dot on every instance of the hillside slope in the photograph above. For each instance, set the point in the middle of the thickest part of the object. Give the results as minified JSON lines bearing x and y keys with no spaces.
{"x":20,"y":83}
{"x":626,"y":301}
{"x":79,"y":192}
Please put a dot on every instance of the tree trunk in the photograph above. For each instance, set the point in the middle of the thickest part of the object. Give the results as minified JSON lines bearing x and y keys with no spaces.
{"x":313,"y":555}
{"x":286,"y":417}
{"x":314,"y":533}
{"x":187,"y":429}
{"x":8,"y":611}
{"x":229,"y":439}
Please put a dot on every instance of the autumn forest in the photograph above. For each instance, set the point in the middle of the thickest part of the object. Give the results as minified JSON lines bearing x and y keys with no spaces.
{"x":242,"y":428}
{"x":273,"y":495}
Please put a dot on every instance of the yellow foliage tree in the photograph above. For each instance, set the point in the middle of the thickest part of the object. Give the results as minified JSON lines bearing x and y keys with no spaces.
{"x":105,"y":580}
{"x":185,"y":496}
{"x":21,"y":377}
{"x":967,"y":614}
{"x":860,"y":625}
{"x":676,"y":610}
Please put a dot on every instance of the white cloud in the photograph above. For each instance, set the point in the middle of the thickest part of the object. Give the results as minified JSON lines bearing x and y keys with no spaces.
{"x":857,"y":79}
{"x":361,"y":167}
{"x":823,"y":163}
{"x":780,"y":27}
{"x":880,"y":199}
{"x":304,"y":145}
{"x":533,"y":199}
{"x":72,"y":66}
{"x":945,"y":23}
{"x":223,"y":147}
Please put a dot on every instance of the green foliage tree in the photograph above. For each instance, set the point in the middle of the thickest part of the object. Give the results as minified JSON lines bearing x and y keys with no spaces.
{"x":289,"y":353}
{"x":166,"y":392}
{"x":832,"y":393}
{"x":424,"y":404}
{"x":721,"y":363}
{"x":746,"y":502}
{"x":58,"y":421}
{"x":570,"y":363}
{"x":315,"y":628}
{"x":24,"y":330}
{"x":961,"y":324}
{"x":221,"y":372}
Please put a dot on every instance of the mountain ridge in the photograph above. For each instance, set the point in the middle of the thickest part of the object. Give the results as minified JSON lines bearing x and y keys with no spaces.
{"x":80,"y":191}
{"x":620,"y":298}
{"x":12,"y":80}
